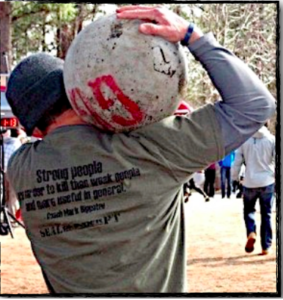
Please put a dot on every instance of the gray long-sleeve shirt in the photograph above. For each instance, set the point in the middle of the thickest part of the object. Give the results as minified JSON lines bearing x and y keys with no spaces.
{"x":247,"y":103}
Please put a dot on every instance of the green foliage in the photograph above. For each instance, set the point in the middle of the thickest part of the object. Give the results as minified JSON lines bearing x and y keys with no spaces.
{"x":32,"y":22}
{"x":35,"y":24}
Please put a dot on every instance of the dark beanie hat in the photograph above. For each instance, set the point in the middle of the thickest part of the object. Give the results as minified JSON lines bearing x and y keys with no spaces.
{"x":34,"y":86}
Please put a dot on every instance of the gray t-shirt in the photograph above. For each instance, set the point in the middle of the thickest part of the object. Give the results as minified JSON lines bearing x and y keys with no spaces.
{"x":104,"y":212}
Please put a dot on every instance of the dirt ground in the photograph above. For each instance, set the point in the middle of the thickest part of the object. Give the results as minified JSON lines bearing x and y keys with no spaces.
{"x":217,"y":262}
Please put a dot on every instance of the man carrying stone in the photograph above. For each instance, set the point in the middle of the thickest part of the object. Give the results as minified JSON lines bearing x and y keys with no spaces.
{"x":137,"y":243}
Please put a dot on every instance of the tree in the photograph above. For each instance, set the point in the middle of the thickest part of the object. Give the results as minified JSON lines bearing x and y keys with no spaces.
{"x":48,"y":27}
{"x":34,"y":26}
{"x":68,"y":29}
{"x":5,"y":36}
{"x":248,"y":29}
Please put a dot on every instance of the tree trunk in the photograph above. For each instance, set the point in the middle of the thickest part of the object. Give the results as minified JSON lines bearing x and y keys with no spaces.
{"x":64,"y":38}
{"x":5,"y":36}
{"x":43,"y":32}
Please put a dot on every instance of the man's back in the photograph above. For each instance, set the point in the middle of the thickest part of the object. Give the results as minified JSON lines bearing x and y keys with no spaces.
{"x":104,"y":212}
{"x":132,"y":238}
{"x":258,"y":154}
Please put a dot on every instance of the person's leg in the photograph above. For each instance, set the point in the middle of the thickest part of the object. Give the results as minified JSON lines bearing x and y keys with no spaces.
{"x":212,"y":183}
{"x":228,"y":177}
{"x":250,"y":197}
{"x":191,"y":184}
{"x":234,"y":186}
{"x":206,"y":182}
{"x":223,"y":179}
{"x":266,"y":201}
{"x":186,"y":192}
{"x":240,"y":189}
{"x":200,"y":191}
{"x":211,"y":179}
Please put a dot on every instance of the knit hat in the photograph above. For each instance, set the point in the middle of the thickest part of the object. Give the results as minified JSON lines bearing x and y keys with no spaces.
{"x":34,"y":86}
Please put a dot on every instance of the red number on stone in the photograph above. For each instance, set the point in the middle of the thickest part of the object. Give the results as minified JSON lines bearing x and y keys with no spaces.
{"x":75,"y":95}
{"x":129,"y":105}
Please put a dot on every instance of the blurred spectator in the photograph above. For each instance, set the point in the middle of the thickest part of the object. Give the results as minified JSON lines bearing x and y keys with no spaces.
{"x":225,"y":174}
{"x":210,"y":175}
{"x":258,"y":154}
{"x":22,"y":136}
{"x":195,"y":183}
{"x":11,"y":144}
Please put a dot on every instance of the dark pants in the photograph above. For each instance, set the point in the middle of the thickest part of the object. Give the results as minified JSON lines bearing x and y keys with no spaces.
{"x":210,"y":175}
{"x":225,"y":177}
{"x":192,"y":186}
{"x":266,"y":199}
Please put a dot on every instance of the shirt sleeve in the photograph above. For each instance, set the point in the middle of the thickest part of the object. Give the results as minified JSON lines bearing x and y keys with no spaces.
{"x":183,"y":144}
{"x":246,"y":103}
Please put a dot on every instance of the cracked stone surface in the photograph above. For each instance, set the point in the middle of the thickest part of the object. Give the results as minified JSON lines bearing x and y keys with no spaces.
{"x":119,"y":79}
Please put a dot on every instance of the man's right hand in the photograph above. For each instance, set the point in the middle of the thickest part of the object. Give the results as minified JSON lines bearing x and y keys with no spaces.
{"x":162,"y":22}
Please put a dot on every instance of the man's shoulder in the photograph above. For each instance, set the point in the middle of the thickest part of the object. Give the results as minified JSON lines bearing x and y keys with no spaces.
{"x":19,"y":154}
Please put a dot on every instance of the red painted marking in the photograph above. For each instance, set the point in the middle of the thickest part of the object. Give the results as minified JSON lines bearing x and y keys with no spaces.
{"x":95,"y":85}
{"x":74,"y":94}
{"x":74,"y":99}
{"x":3,"y":88}
{"x":100,"y":120}
{"x":129,"y":105}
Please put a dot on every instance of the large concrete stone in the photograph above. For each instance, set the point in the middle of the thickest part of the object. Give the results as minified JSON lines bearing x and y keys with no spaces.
{"x":119,"y":79}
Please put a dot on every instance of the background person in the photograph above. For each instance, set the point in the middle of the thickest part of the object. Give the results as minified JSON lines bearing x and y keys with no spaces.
{"x":11,"y":145}
{"x":194,"y":184}
{"x":225,"y":174}
{"x":209,"y":182}
{"x":258,"y":155}
{"x":22,"y":136}
{"x":133,"y":238}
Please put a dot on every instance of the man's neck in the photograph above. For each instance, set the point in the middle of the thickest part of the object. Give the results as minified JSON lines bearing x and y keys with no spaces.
{"x":68,"y":117}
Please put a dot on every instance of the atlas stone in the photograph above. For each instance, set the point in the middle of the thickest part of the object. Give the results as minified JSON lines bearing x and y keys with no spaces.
{"x":119,"y":79}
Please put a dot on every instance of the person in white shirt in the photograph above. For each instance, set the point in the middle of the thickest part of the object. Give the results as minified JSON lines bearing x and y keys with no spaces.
{"x":258,"y":155}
